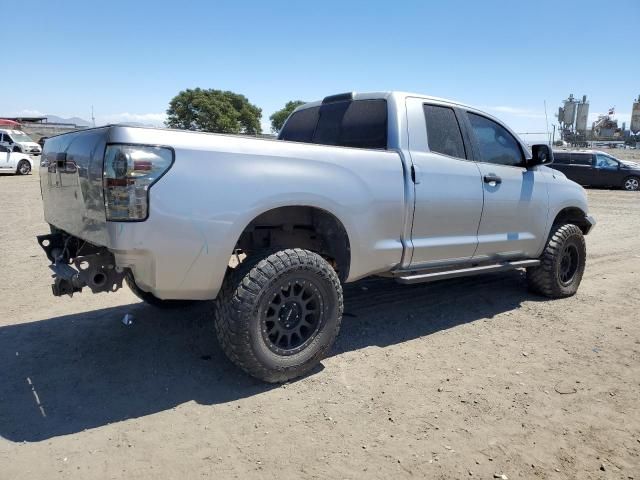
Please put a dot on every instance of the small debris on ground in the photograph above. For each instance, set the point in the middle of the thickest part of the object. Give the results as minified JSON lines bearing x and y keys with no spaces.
{"x":127,"y":320}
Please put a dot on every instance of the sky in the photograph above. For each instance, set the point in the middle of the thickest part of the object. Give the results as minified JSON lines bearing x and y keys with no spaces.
{"x":129,"y":58}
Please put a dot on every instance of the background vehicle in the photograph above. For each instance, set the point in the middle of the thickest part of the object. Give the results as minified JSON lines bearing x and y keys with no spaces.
{"x":597,"y":169}
{"x":19,"y":141}
{"x":14,"y":162}
{"x":407,"y":186}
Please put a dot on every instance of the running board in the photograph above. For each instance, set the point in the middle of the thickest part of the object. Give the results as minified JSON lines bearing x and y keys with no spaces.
{"x":465,"y":272}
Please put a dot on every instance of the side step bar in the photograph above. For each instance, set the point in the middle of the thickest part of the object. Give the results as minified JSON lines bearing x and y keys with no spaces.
{"x":465,"y":272}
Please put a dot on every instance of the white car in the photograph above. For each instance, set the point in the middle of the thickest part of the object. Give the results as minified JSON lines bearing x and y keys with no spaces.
{"x":14,"y":162}
{"x":19,"y":141}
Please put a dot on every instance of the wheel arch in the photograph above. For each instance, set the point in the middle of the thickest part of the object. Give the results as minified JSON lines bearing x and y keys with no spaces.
{"x":574,"y":215}
{"x":299,"y":226}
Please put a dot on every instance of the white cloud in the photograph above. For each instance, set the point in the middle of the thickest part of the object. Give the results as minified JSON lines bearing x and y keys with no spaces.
{"x":515,"y":111}
{"x":26,"y":113}
{"x":621,"y":117}
{"x":155,"y":119}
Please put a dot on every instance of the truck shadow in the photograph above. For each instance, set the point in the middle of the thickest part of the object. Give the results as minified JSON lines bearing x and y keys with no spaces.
{"x":70,"y":373}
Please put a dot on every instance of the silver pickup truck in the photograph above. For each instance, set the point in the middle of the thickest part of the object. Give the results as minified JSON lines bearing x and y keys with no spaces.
{"x":401,"y":185}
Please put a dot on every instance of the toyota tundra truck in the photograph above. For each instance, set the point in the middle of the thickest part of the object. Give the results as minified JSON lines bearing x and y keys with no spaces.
{"x":393,"y":184}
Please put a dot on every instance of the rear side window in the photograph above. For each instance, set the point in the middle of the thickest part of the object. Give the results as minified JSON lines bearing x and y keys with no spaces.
{"x":496,"y":144}
{"x":581,"y":159}
{"x":560,"y":158}
{"x":443,"y":132}
{"x":359,"y":124}
{"x":364,"y":125}
{"x":301,"y":125}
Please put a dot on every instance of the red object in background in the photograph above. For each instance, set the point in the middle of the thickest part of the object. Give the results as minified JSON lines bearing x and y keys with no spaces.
{"x":8,"y":123}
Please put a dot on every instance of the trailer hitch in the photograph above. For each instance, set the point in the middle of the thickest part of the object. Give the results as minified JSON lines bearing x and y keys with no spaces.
{"x":95,"y":267}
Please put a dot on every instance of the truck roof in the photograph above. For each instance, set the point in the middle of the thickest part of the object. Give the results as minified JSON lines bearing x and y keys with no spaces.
{"x":380,"y":95}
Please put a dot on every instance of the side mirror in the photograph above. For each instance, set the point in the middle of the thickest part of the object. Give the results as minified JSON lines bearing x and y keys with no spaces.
{"x":542,"y":155}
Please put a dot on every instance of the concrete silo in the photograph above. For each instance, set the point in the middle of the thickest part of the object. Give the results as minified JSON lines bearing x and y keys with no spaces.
{"x":635,"y":117}
{"x":582,"y":115}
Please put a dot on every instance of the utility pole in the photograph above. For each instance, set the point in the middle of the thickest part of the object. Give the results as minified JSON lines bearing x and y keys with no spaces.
{"x":93,"y":119}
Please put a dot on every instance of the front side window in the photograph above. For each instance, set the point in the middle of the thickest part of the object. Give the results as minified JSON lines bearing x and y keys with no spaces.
{"x":443,"y":132}
{"x":605,"y":161}
{"x":560,"y":158}
{"x":496,"y":144}
{"x":581,"y":159}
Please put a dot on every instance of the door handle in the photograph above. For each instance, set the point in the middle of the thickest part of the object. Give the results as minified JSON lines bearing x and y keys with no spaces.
{"x":492,"y":179}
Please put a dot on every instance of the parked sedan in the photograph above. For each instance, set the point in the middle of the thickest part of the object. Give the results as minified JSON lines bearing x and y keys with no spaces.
{"x":14,"y":162}
{"x":597,"y":169}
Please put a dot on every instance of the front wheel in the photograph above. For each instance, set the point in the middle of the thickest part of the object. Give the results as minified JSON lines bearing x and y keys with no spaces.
{"x":562,"y":263}
{"x":631,"y":184}
{"x":24,"y":167}
{"x":277,"y":315}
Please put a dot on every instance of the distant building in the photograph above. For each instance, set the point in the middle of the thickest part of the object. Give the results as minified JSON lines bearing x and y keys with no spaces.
{"x":37,"y":127}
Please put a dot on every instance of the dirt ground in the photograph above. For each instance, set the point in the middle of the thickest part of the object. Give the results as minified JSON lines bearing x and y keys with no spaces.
{"x":470,"y":378}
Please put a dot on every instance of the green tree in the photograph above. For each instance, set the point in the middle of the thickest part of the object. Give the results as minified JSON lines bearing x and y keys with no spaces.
{"x":213,"y":111}
{"x":279,"y":117}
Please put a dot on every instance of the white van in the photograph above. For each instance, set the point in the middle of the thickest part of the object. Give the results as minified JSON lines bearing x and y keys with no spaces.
{"x":19,"y":141}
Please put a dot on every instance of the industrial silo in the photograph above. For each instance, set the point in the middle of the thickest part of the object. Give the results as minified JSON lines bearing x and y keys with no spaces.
{"x":569,"y":111}
{"x":582,"y":115}
{"x":635,"y":116}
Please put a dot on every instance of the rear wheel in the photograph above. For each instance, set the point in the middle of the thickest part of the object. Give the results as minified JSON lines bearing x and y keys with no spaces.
{"x":632,"y":184}
{"x":24,"y":167}
{"x":562,"y":263}
{"x":277,"y":315}
{"x":150,"y":298}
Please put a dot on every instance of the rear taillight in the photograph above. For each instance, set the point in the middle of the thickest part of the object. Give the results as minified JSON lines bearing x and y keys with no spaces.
{"x":129,"y":172}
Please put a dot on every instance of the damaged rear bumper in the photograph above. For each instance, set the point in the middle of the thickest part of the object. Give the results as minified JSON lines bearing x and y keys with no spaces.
{"x":77,"y":264}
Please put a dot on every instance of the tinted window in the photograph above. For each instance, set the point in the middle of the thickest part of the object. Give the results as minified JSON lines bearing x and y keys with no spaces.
{"x":443,"y":131}
{"x":301,"y":125}
{"x":495,"y":143}
{"x":581,"y":159}
{"x":560,"y":158}
{"x":360,"y":124}
{"x":364,"y":125}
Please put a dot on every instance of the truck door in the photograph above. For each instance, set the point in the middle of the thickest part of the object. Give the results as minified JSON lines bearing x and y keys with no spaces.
{"x":516,"y":202}
{"x":448,"y":188}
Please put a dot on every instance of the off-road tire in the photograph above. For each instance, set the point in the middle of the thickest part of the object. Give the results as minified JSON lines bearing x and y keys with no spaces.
{"x":242,"y":312}
{"x":151,"y":299}
{"x":553,"y":278}
{"x":20,"y":170}
{"x":631,"y":184}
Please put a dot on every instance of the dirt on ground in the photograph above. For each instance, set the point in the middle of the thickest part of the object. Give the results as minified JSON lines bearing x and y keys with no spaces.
{"x":468,"y":378}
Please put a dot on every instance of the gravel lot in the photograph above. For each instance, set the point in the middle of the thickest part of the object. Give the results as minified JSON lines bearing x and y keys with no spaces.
{"x":469,"y":378}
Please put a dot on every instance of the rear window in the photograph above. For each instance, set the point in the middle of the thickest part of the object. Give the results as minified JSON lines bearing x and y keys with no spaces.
{"x":560,"y":158}
{"x":581,"y":159}
{"x":358,"y":124}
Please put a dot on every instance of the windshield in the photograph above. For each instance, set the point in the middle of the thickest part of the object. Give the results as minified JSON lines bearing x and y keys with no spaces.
{"x":20,"y":137}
